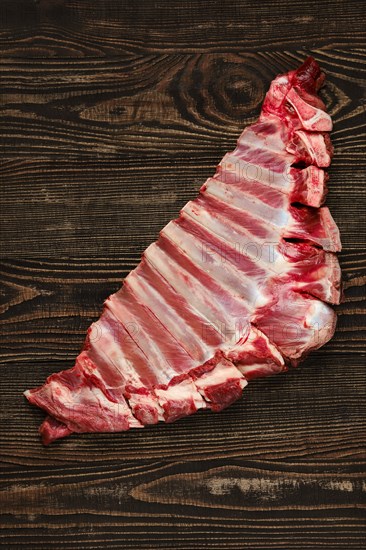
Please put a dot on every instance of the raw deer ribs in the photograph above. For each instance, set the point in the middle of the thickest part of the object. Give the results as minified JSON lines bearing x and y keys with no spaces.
{"x":236,"y":288}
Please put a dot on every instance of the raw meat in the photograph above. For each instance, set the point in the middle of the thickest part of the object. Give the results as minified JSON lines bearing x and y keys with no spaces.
{"x":236,"y":288}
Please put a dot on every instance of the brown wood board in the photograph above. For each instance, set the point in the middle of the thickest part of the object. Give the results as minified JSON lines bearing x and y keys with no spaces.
{"x":113,"y":114}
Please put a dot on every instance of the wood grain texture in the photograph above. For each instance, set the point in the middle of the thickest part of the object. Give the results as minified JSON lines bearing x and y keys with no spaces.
{"x":113,"y":114}
{"x":239,"y":505}
{"x":90,"y":28}
{"x":312,"y":413}
{"x":48,"y":305}
{"x":108,"y":206}
{"x":135,"y":138}
{"x":162,"y":104}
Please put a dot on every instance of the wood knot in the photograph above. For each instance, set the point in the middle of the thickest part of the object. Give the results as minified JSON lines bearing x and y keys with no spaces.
{"x":217,"y":89}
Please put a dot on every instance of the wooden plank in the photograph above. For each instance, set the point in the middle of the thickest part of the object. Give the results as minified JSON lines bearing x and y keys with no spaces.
{"x":69,"y":28}
{"x":108,"y":206}
{"x":113,"y":114}
{"x":48,"y":305}
{"x":314,"y":413}
{"x":162,"y":104}
{"x":243,"y":504}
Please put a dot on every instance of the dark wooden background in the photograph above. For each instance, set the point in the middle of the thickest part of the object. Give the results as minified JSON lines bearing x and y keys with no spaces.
{"x":113,"y":113}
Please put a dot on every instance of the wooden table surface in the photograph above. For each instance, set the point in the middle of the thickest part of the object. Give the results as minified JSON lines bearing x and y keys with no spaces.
{"x":113,"y":114}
